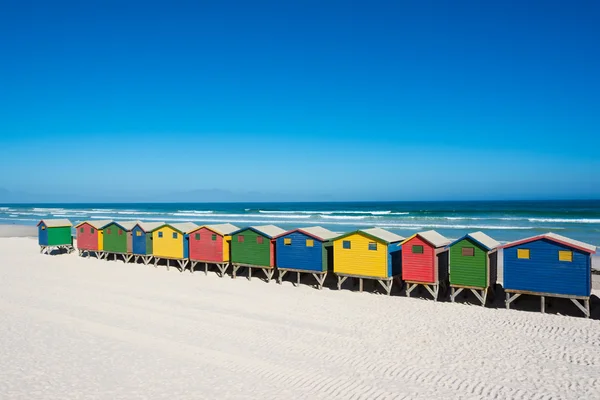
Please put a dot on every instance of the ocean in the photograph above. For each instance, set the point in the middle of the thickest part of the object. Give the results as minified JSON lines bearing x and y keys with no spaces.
{"x":503,"y":220}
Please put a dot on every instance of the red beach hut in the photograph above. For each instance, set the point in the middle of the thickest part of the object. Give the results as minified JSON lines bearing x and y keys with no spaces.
{"x":209,"y":244}
{"x":425,"y":262}
{"x":89,"y":236}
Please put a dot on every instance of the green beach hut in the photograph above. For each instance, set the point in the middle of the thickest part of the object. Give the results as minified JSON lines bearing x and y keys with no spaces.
{"x":55,"y":234}
{"x":254,"y":247}
{"x":473,"y":265}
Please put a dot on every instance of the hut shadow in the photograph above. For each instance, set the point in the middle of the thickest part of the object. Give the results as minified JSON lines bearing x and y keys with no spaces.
{"x":554,"y":305}
{"x":170,"y":265}
{"x":371,"y":286}
{"x":421,"y":293}
{"x":57,"y":252}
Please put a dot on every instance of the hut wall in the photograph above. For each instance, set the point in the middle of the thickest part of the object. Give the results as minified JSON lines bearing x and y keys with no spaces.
{"x":394,"y":259}
{"x":298,"y":255}
{"x":226,"y":248}
{"x":87,"y":237}
{"x":138,"y":238}
{"x":358,"y":259}
{"x":543,"y":272}
{"x":250,"y":251}
{"x":468,"y":270}
{"x":167,"y":245}
{"x":129,"y":242}
{"x":115,"y":239}
{"x":42,"y":234}
{"x":418,"y":267}
{"x":206,"y":245}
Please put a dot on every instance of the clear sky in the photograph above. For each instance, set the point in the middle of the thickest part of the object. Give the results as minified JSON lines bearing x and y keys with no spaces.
{"x":340,"y":100}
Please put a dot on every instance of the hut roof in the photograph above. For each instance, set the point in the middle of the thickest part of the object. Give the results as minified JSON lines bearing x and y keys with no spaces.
{"x":269,"y":231}
{"x":316,"y":232}
{"x":149,"y":226}
{"x":221,"y":229}
{"x":184,"y":227}
{"x":588,"y":248}
{"x":377,"y":234}
{"x":481,"y":238}
{"x":432,"y":237}
{"x":55,"y":223}
{"x":127,"y":225}
{"x":98,"y":224}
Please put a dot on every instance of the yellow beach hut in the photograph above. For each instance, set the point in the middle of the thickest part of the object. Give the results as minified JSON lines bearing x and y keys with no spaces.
{"x":368,"y":254}
{"x":171,"y":242}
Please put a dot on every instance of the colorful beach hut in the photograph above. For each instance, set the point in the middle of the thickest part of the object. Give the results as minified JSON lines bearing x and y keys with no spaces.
{"x":90,"y":237}
{"x":425,"y":262}
{"x":141,"y":240}
{"x":473,"y":265}
{"x":254,"y":247}
{"x":368,"y":254}
{"x":306,"y":250}
{"x":118,"y":240}
{"x":549,"y":265}
{"x":171,"y":242}
{"x":55,"y":234}
{"x":209,"y":244}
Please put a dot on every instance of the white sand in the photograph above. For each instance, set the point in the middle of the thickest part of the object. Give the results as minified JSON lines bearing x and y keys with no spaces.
{"x":89,"y":329}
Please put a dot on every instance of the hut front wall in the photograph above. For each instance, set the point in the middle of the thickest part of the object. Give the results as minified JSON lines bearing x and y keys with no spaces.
{"x":167,"y":245}
{"x":87,"y":237}
{"x":358,"y":259}
{"x":138,"y":239}
{"x":418,"y":267}
{"x":298,"y":254}
{"x":466,"y":270}
{"x":115,"y":239}
{"x":250,"y":251}
{"x":543,"y":272}
{"x":204,"y":248}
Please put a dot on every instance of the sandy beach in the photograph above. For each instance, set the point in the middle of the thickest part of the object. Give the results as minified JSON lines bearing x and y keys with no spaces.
{"x":90,"y":329}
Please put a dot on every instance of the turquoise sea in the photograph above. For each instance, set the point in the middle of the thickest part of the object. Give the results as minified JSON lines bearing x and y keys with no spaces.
{"x":503,"y":220}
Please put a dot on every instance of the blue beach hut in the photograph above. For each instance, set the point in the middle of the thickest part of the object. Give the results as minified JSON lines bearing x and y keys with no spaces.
{"x":141,"y":238}
{"x":549,"y":265}
{"x":306,"y":250}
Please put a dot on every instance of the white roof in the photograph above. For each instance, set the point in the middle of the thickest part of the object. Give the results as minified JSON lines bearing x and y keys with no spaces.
{"x":269,"y":230}
{"x":128,"y":225}
{"x":97,"y":223}
{"x":149,"y":226}
{"x":56,"y":223}
{"x":570,"y":241}
{"x":320,"y":232}
{"x":223,"y":229}
{"x":484,"y":240}
{"x":184,"y":227}
{"x":384,"y":235}
{"x":434,"y":238}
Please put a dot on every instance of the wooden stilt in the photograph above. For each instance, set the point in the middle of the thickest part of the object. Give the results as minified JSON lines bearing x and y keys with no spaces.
{"x":281,"y":275}
{"x":543,"y":304}
{"x":205,"y":268}
{"x":360,"y":284}
{"x":341,"y":280}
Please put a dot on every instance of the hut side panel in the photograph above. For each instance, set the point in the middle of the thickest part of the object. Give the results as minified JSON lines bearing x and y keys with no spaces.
{"x":56,"y":236}
{"x":301,"y":252}
{"x":42,"y":234}
{"x":205,"y":245}
{"x":248,"y":250}
{"x":418,"y":266}
{"x":468,"y":267}
{"x":87,"y":237}
{"x":359,"y":259}
{"x":394,"y":259}
{"x":544,"y":272}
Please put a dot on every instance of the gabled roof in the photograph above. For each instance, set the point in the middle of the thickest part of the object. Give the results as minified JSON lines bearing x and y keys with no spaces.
{"x":127,"y":225}
{"x":220,"y":229}
{"x":96,"y":223}
{"x":588,"y":248}
{"x":431,"y":237}
{"x":184,"y":227}
{"x":149,"y":226}
{"x":55,"y":223}
{"x":269,"y":231}
{"x":316,"y":232}
{"x":480,"y":238}
{"x":377,"y":234}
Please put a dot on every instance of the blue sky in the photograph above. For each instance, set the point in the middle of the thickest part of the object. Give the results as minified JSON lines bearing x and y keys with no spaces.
{"x":338,"y":100}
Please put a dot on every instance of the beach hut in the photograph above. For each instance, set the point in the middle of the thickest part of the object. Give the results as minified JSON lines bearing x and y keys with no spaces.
{"x":425,"y":262}
{"x":170,"y":242}
{"x":254,"y":247}
{"x":55,"y":234}
{"x":549,"y":265}
{"x":473,"y":265}
{"x":209,"y":244}
{"x":141,"y":240}
{"x":90,"y":237}
{"x":118,"y":240}
{"x":368,"y":254}
{"x":306,"y":250}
